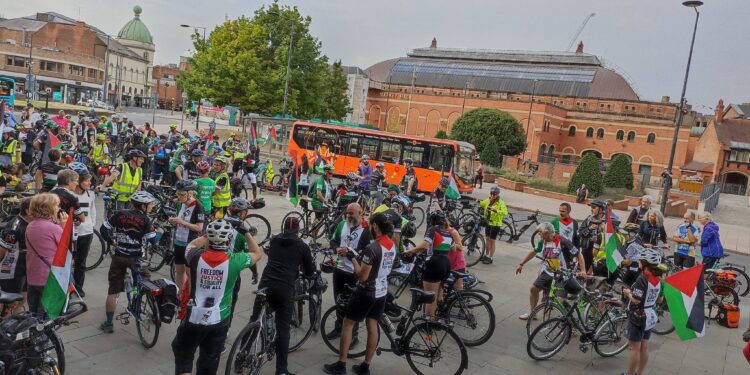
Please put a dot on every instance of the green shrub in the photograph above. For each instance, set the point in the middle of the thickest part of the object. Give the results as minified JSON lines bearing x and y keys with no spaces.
{"x":491,"y":153}
{"x":441,"y":134}
{"x":481,"y":125}
{"x":587,"y":173}
{"x":620,"y":173}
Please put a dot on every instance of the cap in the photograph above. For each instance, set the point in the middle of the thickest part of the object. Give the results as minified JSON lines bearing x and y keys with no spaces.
{"x":290,"y":225}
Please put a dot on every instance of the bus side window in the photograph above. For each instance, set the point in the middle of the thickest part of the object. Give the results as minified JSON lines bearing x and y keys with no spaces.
{"x":369,"y":146}
{"x":440,"y":159}
{"x":390,"y":151}
{"x":416,"y":153}
{"x":354,"y":145}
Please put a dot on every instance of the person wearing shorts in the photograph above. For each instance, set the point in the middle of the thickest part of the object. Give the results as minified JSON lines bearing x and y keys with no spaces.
{"x":188,"y":224}
{"x":494,"y":212}
{"x":367,"y":302}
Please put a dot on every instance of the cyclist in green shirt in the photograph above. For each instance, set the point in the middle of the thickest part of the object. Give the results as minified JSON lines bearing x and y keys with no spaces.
{"x":494,"y":211}
{"x":237,"y":212}
{"x":321,"y":190}
{"x":206,"y":186}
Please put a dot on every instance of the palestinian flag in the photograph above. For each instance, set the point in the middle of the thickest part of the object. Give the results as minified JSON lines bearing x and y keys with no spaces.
{"x":611,"y":248}
{"x":253,"y":135}
{"x":452,"y":191}
{"x":50,"y":143}
{"x":293,"y":188}
{"x":441,"y":243}
{"x":684,"y":294}
{"x":55,"y":293}
{"x":271,"y":136}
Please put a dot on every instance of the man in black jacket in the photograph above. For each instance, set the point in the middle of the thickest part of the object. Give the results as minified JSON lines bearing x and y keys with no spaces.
{"x":287,"y":253}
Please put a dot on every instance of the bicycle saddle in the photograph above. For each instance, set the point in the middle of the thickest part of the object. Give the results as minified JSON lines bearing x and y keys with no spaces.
{"x":458,"y":274}
{"x":6,"y":298}
{"x":421,"y":297}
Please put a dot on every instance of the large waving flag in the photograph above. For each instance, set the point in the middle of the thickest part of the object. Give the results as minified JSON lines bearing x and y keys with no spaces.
{"x":293,"y":188}
{"x":50,"y":143}
{"x":55,"y":293}
{"x":440,"y":243}
{"x":452,"y":191}
{"x":684,"y":294}
{"x":611,"y":248}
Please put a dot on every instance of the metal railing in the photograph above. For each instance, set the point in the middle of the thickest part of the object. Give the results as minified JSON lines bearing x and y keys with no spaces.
{"x":710,"y":196}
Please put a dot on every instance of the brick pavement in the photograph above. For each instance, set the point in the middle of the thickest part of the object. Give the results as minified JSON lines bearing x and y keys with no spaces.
{"x":90,"y":352}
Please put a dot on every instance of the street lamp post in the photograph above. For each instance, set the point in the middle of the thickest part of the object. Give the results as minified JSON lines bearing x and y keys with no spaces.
{"x":198,"y":111}
{"x":667,"y":184}
{"x":528,"y":122}
{"x":288,"y":65}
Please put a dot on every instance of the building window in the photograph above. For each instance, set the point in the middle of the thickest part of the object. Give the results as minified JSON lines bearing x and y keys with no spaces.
{"x":600,"y":133}
{"x":566,"y":159}
{"x":545,"y":127}
{"x":76,"y":70}
{"x":50,"y":66}
{"x":572,"y":131}
{"x":739,"y":156}
{"x":92,"y":73}
{"x":15,"y":61}
{"x":651,"y":138}
{"x":620,"y":135}
{"x":631,"y":136}
{"x":590,"y":133}
{"x":145,"y":55}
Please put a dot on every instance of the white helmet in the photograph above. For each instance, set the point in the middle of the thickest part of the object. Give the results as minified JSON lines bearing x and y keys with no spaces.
{"x":650,"y":255}
{"x":219,"y":234}
{"x":142,"y":197}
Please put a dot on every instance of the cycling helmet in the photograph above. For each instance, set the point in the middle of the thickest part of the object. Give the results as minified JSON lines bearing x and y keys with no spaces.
{"x":495,"y":190}
{"x":444,"y":182}
{"x":365,"y":157}
{"x":142,"y":197}
{"x":401,"y":200}
{"x":79,"y":168}
{"x":100,"y":137}
{"x":221,"y":159}
{"x":408,"y":160}
{"x":409,"y":230}
{"x":11,"y":132}
{"x":328,"y":167}
{"x":351,"y":176}
{"x":50,"y":124}
{"x":437,"y":217}
{"x":102,"y":171}
{"x":196,"y":152}
{"x":650,"y":255}
{"x":239,"y":204}
{"x":184,"y":141}
{"x":394,"y":188}
{"x":598,"y":203}
{"x":203,"y":166}
{"x":219,"y":234}
{"x":328,"y":265}
{"x":135,"y":154}
{"x":379,"y":165}
{"x":572,"y":286}
{"x":173,"y":126}
{"x":186,"y":185}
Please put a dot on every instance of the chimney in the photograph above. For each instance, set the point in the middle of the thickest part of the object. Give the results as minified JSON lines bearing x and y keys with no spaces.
{"x":720,"y":111}
{"x":434,"y":43}
{"x":665,"y":99}
{"x":579,"y":49}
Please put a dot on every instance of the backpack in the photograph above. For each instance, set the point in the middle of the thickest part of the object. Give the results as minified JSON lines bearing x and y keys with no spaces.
{"x":728,"y":316}
{"x":161,"y":154}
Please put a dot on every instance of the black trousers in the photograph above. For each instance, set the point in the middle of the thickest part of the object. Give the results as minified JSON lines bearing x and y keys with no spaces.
{"x":280,"y":300}
{"x":79,"y":259}
{"x":210,"y":341}
{"x":34,"y":299}
{"x":342,"y":279}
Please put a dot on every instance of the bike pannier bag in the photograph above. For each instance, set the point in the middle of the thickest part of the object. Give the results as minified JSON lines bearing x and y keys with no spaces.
{"x":728,"y":316}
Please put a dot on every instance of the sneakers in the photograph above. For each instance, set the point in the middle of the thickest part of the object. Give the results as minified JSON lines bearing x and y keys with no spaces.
{"x":487,"y":260}
{"x":336,"y":368}
{"x":361,"y":369}
{"x":336,"y":333}
{"x":107,"y":327}
{"x":525,"y":316}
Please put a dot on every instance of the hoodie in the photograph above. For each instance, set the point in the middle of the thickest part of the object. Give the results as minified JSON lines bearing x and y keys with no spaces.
{"x":711,"y":242}
{"x":285,"y":256}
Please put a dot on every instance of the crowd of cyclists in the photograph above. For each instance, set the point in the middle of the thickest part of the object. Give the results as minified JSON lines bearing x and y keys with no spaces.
{"x":369,"y":239}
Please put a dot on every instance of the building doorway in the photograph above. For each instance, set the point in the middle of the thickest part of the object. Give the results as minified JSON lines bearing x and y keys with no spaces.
{"x":645,"y":172}
{"x":734,"y":183}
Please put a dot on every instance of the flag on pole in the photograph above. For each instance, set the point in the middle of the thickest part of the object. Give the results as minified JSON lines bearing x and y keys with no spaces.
{"x":684,"y":294}
{"x":273,"y":134}
{"x":611,"y":248}
{"x":50,"y":143}
{"x":253,"y":136}
{"x":293,"y":188}
{"x":452,"y":191}
{"x":55,"y":294}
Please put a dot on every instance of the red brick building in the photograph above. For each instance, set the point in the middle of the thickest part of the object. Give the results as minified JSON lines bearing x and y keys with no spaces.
{"x":568,"y":103}
{"x":165,"y":85}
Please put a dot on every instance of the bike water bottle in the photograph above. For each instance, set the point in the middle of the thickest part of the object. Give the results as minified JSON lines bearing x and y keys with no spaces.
{"x":128,"y":283}
{"x":386,"y":323}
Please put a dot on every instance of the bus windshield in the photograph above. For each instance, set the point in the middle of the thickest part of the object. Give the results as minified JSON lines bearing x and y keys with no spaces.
{"x":465,"y":164}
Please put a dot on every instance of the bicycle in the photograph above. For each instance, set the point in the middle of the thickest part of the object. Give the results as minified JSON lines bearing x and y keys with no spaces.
{"x":255,"y":344}
{"x":472,"y":240}
{"x":142,"y":306}
{"x":606,"y":334}
{"x":316,"y":228}
{"x":716,"y":295}
{"x":306,"y":308}
{"x":742,"y":285}
{"x":463,"y":310}
{"x":509,"y":232}
{"x":430,"y":347}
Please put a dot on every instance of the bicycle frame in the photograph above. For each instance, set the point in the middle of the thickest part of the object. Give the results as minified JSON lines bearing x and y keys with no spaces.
{"x":532,"y":220}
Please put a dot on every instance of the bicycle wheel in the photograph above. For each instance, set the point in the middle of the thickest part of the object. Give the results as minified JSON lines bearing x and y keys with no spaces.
{"x":329,"y":330}
{"x":472,"y":317}
{"x":548,"y":309}
{"x":474,"y":248}
{"x":298,"y":215}
{"x":534,"y":239}
{"x":506,"y":232}
{"x":742,"y":286}
{"x":260,"y":228}
{"x":396,"y":284}
{"x":278,"y":182}
{"x":156,"y":258}
{"x":720,"y":295}
{"x":96,"y":253}
{"x":52,"y":347}
{"x":433,"y":348}
{"x":417,"y":215}
{"x":664,"y":325}
{"x":147,"y":321}
{"x":548,"y":339}
{"x":304,"y":310}
{"x":248,"y":351}
{"x":610,"y":339}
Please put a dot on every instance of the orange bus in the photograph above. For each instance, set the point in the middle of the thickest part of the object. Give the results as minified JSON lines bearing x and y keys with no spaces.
{"x":342,"y":146}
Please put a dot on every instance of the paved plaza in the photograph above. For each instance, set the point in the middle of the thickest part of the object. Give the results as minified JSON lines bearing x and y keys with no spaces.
{"x":88,"y":351}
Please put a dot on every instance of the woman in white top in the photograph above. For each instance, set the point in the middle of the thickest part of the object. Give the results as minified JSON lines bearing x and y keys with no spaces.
{"x":87,"y":200}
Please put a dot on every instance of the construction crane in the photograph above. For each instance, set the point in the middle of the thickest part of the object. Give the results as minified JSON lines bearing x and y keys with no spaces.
{"x":578,"y":33}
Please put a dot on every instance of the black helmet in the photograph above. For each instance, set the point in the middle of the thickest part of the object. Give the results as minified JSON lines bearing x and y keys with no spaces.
{"x":444,"y":182}
{"x":328,"y":265}
{"x":598,"y":203}
{"x":239,"y":204}
{"x":196,"y":152}
{"x":186,"y":185}
{"x":409,"y":230}
{"x":135,"y":154}
{"x":437,"y":217}
{"x":351,"y":176}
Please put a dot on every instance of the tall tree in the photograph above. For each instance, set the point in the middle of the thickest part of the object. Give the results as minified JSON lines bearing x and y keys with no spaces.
{"x":587,"y":173}
{"x":243,"y":62}
{"x":620,"y":173}
{"x":481,"y":125}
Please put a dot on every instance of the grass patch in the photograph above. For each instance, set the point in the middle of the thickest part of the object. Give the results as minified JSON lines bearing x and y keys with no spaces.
{"x":545,"y":184}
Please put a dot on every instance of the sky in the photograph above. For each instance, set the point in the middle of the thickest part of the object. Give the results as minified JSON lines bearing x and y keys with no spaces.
{"x":645,"y":40}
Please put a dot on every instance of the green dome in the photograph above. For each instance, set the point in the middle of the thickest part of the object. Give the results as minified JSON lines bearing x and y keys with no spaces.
{"x":135,"y":29}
